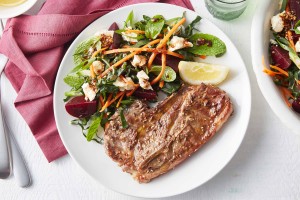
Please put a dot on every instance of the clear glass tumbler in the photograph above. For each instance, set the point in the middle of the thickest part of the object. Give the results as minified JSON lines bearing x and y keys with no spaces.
{"x":226,"y":9}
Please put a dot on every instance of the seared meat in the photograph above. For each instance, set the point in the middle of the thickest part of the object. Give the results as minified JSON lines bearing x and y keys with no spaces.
{"x":160,"y":138}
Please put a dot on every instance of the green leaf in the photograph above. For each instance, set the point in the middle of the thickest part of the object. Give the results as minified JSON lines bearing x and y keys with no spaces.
{"x":129,"y":21}
{"x":123,"y":120}
{"x":169,"y":75}
{"x":297,"y":27}
{"x":189,"y":29}
{"x":154,"y":26}
{"x":83,"y":48}
{"x":173,"y":21}
{"x":283,"y":5}
{"x":140,"y":43}
{"x":218,"y":47}
{"x":82,"y":65}
{"x":74,"y":81}
{"x":73,"y":93}
{"x":172,"y":87}
{"x":95,"y":123}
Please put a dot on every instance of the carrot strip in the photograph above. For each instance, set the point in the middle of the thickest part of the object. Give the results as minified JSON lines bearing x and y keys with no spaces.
{"x":101,"y":100}
{"x":290,"y":39}
{"x":135,"y":31}
{"x":174,"y":54}
{"x":97,"y":52}
{"x":92,"y":71}
{"x":165,"y":39}
{"x":202,"y":56}
{"x":163,"y":68}
{"x":161,"y":84}
{"x":151,"y":59}
{"x":127,"y":50}
{"x":286,"y":94}
{"x":129,"y":93}
{"x":119,"y":102}
{"x":270,"y":72}
{"x":106,"y":103}
{"x":280,"y":70}
{"x":120,"y":62}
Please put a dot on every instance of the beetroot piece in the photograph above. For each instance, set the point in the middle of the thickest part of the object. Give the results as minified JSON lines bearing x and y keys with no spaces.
{"x":296,"y":105}
{"x":79,"y":107}
{"x":295,"y":37}
{"x":295,"y":8}
{"x":280,"y":57}
{"x":117,"y":38}
{"x":171,"y":62}
{"x":145,"y":94}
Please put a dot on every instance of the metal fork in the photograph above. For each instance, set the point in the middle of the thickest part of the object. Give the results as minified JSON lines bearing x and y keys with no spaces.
{"x":17,"y":163}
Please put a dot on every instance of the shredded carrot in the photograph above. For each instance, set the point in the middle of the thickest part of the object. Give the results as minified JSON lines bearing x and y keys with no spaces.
{"x":174,"y":54}
{"x":151,"y":59}
{"x":286,"y":94}
{"x":135,"y":31}
{"x":290,"y":39}
{"x":92,"y":71}
{"x":101,"y":100}
{"x":279,"y":70}
{"x":97,"y":52}
{"x":128,"y":49}
{"x":120,"y":62}
{"x":106,"y":125}
{"x":129,"y":93}
{"x":163,"y":68}
{"x":270,"y":72}
{"x":202,"y":56}
{"x":119,"y":102}
{"x":161,"y":84}
{"x":165,"y":39}
{"x":106,"y":103}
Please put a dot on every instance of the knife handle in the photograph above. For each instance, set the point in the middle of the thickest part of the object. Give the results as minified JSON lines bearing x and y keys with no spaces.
{"x":4,"y":151}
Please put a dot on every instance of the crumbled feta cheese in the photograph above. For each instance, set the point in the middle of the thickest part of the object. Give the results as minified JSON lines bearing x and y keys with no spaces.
{"x":129,"y":37}
{"x":138,"y":61}
{"x":105,"y":32}
{"x":178,"y":43}
{"x":143,"y":80}
{"x":98,"y":67}
{"x":297,"y":46}
{"x":89,"y":91}
{"x":277,"y":23}
{"x":122,"y":85}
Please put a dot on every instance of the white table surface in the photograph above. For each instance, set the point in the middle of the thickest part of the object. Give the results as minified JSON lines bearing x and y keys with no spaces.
{"x":266,"y":166}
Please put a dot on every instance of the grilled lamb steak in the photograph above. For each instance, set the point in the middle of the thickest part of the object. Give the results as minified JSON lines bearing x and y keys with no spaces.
{"x":157,"y":139}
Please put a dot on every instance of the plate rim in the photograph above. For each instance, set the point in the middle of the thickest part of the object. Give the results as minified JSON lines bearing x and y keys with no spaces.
{"x":243,"y":129}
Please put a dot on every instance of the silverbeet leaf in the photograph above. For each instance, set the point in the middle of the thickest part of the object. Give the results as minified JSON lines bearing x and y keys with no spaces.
{"x":74,"y":81}
{"x":91,"y":132}
{"x":83,"y":48}
{"x":154,"y":26}
{"x":218,"y":47}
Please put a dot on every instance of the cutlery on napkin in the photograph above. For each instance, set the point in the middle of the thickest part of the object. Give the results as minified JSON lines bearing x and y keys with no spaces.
{"x":35,"y":46}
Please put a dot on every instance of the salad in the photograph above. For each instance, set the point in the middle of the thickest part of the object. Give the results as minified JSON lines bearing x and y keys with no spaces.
{"x":116,"y":66}
{"x":284,"y":51}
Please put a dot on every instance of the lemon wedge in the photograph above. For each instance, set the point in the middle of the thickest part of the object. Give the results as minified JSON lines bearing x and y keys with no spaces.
{"x":195,"y":73}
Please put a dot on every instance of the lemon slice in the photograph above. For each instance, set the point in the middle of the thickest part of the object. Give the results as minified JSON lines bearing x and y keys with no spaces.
{"x":195,"y":73}
{"x":11,"y":2}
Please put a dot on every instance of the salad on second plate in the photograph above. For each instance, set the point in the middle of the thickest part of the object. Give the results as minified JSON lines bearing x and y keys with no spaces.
{"x":285,"y":51}
{"x":116,"y":66}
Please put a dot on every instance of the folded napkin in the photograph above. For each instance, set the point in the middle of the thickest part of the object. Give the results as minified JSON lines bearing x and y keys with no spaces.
{"x":35,"y":46}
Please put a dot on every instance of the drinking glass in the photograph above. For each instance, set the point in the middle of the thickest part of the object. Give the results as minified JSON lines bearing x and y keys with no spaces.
{"x":226,"y":9}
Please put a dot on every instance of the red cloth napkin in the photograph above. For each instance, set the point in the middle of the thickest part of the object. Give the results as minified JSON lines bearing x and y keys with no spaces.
{"x":35,"y":46}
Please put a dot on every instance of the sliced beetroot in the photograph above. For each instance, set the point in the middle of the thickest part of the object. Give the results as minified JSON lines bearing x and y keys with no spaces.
{"x":295,"y":8}
{"x":117,"y":38}
{"x":295,"y":37}
{"x":171,"y":62}
{"x":280,"y":57}
{"x":79,"y":107}
{"x":145,"y":94}
{"x":296,"y":105}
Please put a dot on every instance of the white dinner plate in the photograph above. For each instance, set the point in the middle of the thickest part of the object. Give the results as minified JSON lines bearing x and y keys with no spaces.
{"x":202,"y":165}
{"x":260,"y":38}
